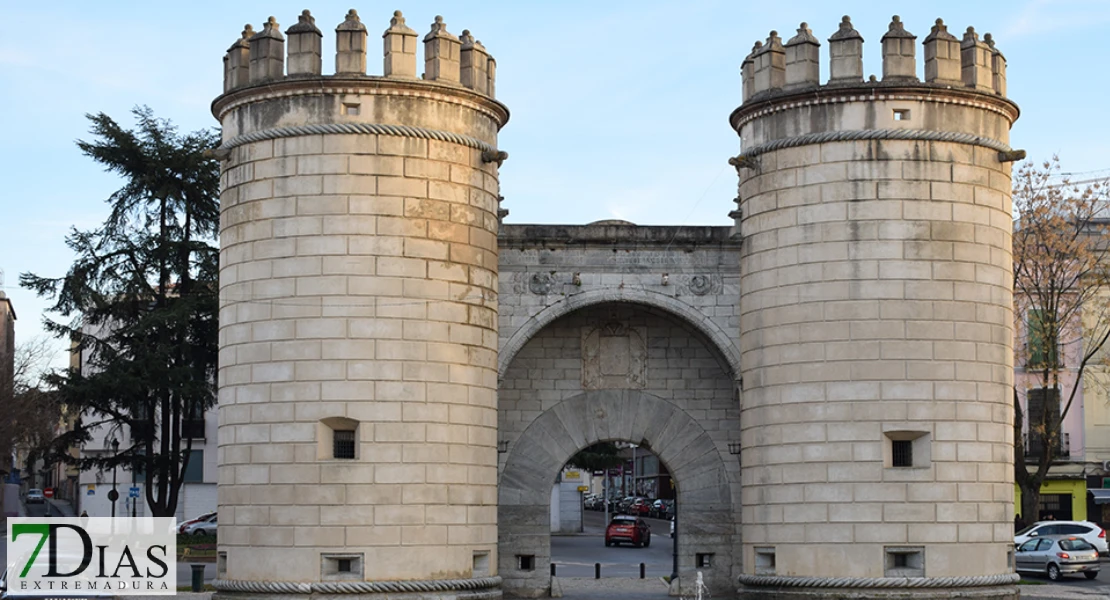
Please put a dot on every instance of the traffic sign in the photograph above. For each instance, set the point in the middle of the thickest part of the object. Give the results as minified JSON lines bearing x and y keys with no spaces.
{"x":48,"y":492}
{"x":134,"y":493}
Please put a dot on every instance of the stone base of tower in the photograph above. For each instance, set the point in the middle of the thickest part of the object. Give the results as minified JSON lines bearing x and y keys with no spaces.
{"x":1004,"y":592}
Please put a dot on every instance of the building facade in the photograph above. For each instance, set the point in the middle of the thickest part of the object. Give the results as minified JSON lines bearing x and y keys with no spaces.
{"x":404,"y":376}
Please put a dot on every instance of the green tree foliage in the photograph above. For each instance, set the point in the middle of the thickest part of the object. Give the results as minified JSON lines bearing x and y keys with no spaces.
{"x":140,"y":302}
{"x":598,"y":457}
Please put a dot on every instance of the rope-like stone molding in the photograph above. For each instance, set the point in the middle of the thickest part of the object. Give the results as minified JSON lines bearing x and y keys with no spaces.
{"x":843,"y":99}
{"x":744,"y":160}
{"x":878,"y":582}
{"x":356,"y":128}
{"x":358,"y":587}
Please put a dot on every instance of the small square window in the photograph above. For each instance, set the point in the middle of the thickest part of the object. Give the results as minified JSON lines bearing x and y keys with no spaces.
{"x":904,"y":561}
{"x":481,"y":564}
{"x":340,"y":567}
{"x":350,"y":109}
{"x":526,"y":562}
{"x":902,"y":453}
{"x":704,"y":560}
{"x":343,"y":445}
{"x":764,"y":561}
{"x":901,"y":114}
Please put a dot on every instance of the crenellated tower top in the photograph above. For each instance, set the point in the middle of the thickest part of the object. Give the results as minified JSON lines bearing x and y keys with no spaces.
{"x":959,"y":94}
{"x":267,"y":57}
{"x":773,"y":69}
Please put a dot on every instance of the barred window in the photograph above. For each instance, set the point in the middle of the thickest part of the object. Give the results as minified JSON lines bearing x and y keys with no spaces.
{"x":902,"y":453}
{"x":343,"y":444}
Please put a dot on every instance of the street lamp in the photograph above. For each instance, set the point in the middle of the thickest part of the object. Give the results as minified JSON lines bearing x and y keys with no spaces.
{"x":114,"y":495}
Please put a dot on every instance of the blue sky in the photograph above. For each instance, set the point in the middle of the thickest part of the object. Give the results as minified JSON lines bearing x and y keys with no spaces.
{"x":619,"y":109}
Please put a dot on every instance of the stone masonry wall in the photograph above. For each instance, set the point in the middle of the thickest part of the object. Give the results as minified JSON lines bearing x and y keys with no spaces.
{"x":358,"y":282}
{"x":876,"y":307}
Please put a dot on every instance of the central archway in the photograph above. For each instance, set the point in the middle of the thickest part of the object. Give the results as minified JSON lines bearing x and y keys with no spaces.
{"x":704,"y":497}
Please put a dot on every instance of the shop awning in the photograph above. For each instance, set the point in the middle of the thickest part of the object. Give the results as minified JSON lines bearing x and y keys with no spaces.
{"x":1101,"y":496}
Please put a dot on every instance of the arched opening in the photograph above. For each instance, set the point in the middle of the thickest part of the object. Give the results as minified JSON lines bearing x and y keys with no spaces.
{"x":612,"y":516}
{"x":619,"y":373}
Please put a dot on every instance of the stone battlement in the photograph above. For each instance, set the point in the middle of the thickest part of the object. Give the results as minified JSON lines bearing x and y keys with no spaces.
{"x":971,"y":63}
{"x":262,"y":57}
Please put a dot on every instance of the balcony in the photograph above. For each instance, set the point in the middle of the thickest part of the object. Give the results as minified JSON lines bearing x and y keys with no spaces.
{"x":1034,"y":447}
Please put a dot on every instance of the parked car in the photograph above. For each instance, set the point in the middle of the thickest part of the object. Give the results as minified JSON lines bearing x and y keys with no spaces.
{"x":1056,"y":556}
{"x":626,"y":528}
{"x":205,"y":527}
{"x":35,"y":496}
{"x":182,"y":525}
{"x":640,"y":507}
{"x":1090,"y":532}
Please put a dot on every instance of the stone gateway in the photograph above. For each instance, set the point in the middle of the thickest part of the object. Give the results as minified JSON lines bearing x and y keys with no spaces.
{"x":402,"y":376}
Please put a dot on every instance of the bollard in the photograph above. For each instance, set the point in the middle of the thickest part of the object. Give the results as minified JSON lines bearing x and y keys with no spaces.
{"x":552,"y":569}
{"x":198,"y":577}
{"x":643,"y":569}
{"x":597,"y":570}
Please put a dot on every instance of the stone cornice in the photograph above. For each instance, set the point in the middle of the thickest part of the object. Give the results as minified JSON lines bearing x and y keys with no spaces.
{"x":613,"y":236}
{"x":764,"y":105}
{"x":348,"y":84}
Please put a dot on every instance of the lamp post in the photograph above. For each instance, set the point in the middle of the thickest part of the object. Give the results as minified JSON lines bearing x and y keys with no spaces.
{"x":114,"y":495}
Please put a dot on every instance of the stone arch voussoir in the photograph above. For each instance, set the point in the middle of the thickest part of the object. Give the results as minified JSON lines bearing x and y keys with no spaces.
{"x":536,"y":457}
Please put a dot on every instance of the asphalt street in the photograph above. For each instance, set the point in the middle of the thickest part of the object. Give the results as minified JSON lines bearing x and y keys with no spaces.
{"x":575,"y":555}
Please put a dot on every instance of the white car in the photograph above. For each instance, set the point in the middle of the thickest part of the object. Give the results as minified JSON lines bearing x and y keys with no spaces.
{"x":1090,"y":532}
{"x":202,"y":527}
{"x":35,"y":496}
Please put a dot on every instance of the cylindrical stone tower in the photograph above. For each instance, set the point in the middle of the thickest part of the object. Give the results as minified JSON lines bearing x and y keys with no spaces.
{"x":876,"y":325}
{"x":358,"y":343}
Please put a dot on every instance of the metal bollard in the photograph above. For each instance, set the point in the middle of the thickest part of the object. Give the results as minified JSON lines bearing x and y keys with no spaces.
{"x":552,"y":569}
{"x":597,"y":570}
{"x":198,"y":577}
{"x":643,"y":570}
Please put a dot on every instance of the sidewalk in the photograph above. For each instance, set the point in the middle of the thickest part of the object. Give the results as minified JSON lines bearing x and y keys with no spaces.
{"x":60,"y":508}
{"x":21,"y":512}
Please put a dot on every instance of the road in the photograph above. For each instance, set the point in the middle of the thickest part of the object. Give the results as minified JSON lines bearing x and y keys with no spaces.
{"x":575,"y":555}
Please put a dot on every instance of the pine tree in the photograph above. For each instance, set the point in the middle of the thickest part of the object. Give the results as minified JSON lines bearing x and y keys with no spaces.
{"x":141,"y":301}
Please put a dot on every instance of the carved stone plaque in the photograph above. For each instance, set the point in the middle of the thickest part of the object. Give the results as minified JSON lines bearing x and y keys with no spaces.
{"x":614,"y":356}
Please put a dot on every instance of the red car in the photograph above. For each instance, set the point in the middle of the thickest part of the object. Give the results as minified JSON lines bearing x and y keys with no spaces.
{"x":626,"y":528}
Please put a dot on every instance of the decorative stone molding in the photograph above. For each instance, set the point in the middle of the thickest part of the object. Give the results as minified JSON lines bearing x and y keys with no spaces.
{"x":541,"y":284}
{"x":878,"y":582}
{"x":745,"y":160}
{"x":357,"y":128}
{"x":701,"y":285}
{"x":614,"y":356}
{"x":359,"y":587}
{"x":878,"y":93}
